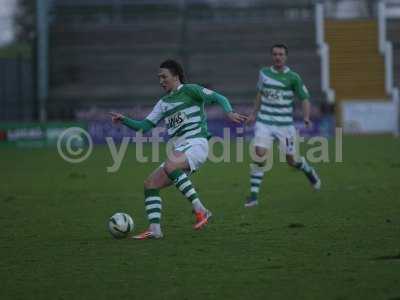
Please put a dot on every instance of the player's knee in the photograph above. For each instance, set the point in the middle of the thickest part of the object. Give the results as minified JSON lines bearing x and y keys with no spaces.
{"x":261,"y":154}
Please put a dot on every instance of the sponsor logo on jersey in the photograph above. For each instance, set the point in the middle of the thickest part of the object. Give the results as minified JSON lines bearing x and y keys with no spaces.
{"x":272,"y":94}
{"x":176,"y":120}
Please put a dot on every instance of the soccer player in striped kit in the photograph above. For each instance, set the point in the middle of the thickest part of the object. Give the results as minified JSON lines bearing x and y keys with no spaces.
{"x":182,"y":108}
{"x":273,"y":113}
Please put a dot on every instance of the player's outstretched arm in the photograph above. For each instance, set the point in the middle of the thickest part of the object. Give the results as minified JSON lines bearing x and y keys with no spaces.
{"x":214,"y":97}
{"x":226,"y":106}
{"x":144,"y":125}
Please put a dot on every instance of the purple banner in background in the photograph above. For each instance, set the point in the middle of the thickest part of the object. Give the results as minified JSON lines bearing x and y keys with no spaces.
{"x":101,"y":129}
{"x":100,"y":126}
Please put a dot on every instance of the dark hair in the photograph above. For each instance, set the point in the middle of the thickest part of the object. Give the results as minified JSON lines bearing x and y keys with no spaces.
{"x":283,"y":46}
{"x":174,"y":67}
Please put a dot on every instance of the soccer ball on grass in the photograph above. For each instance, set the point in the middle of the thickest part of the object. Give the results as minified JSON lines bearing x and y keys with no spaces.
{"x":120,"y":225}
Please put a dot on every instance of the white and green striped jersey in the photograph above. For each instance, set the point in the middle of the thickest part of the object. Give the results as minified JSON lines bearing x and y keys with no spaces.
{"x":278,"y":91}
{"x":183,"y":111}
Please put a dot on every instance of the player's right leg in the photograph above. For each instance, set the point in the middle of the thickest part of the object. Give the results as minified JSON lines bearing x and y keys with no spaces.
{"x":152,"y":185}
{"x":176,"y":167}
{"x":263,"y":142}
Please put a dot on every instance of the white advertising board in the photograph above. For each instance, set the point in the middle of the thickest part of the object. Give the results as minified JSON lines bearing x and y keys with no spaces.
{"x":368,"y":116}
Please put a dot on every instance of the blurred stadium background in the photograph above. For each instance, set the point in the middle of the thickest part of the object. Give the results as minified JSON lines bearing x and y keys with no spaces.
{"x":68,"y":62}
{"x":75,"y":60}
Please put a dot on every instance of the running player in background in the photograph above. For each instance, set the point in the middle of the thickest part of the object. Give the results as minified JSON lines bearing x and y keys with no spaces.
{"x":273,"y":112}
{"x":182,"y":108}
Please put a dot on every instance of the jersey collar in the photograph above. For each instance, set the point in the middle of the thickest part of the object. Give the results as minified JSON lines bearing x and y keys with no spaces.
{"x":285,"y":70}
{"x":177,"y":89}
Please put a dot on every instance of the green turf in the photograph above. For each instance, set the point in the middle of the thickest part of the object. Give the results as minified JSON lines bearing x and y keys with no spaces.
{"x":340,"y":243}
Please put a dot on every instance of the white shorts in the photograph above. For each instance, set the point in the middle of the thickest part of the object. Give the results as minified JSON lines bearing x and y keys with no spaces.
{"x":196,"y":151}
{"x":265,"y":135}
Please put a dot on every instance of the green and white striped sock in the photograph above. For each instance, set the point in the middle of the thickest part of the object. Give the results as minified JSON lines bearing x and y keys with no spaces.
{"x":256,"y":177}
{"x":184,"y":184}
{"x":303,"y":165}
{"x":153,"y":207}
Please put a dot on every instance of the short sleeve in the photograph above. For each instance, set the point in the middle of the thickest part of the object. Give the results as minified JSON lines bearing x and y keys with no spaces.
{"x":156,"y":114}
{"x":300,"y":89}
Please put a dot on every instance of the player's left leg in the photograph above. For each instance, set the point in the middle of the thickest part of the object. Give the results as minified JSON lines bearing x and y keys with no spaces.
{"x":309,"y":171}
{"x":153,"y":203}
{"x":263,"y":142}
{"x":287,"y":137}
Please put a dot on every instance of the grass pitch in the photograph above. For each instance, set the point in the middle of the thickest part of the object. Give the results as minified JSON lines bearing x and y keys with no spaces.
{"x":340,"y":243}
